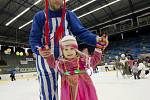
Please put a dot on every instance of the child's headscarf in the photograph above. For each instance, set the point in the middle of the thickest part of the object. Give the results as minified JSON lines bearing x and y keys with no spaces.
{"x":68,"y":40}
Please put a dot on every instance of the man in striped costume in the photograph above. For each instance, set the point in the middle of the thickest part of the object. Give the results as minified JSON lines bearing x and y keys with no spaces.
{"x":61,"y":22}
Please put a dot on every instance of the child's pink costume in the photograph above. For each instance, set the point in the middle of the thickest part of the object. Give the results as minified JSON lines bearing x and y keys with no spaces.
{"x":76,"y":84}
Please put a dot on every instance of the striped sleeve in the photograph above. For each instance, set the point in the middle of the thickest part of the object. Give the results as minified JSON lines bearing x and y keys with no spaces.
{"x":36,"y":32}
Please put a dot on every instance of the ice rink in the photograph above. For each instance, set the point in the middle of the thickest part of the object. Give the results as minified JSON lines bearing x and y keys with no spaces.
{"x":108,"y":87}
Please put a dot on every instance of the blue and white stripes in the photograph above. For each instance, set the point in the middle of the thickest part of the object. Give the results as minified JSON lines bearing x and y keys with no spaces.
{"x":48,"y":80}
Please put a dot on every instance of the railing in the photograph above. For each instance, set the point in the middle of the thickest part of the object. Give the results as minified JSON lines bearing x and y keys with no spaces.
{"x":126,"y":25}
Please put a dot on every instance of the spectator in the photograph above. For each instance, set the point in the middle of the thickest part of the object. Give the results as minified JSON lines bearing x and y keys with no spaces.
{"x":135,"y":71}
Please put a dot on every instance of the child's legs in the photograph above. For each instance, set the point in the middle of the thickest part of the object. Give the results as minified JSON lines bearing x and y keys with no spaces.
{"x":48,"y":78}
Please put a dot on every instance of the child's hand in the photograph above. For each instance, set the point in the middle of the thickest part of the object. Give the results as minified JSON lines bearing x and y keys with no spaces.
{"x":45,"y":52}
{"x":102,"y":42}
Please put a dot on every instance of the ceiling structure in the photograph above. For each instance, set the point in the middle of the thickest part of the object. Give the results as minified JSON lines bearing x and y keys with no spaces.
{"x":92,"y":14}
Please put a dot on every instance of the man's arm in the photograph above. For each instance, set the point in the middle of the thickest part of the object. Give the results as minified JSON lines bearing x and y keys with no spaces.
{"x":79,"y":31}
{"x":35,"y":37}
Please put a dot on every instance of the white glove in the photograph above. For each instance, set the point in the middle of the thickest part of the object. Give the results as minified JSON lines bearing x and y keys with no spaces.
{"x":89,"y":71}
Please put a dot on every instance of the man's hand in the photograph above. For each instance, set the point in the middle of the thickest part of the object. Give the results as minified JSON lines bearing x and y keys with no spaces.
{"x":45,"y":52}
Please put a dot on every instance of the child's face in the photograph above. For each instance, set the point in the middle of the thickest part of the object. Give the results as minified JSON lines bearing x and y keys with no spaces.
{"x":55,"y":4}
{"x":69,"y":52}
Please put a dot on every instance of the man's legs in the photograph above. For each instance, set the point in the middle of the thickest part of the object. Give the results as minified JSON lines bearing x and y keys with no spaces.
{"x":134,"y":74}
{"x":139,"y":72}
{"x":14,"y":77}
{"x":48,"y":80}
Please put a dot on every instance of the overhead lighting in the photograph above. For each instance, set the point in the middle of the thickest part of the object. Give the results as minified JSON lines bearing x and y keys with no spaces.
{"x":37,"y":2}
{"x":17,"y":16}
{"x":25,"y":24}
{"x":8,"y":23}
{"x":83,"y":5}
{"x":99,"y":8}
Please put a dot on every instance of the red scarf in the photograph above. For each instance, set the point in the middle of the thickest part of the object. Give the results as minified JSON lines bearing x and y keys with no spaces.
{"x":60,"y":29}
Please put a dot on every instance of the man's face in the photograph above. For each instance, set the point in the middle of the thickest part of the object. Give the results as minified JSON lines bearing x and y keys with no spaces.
{"x":55,"y":4}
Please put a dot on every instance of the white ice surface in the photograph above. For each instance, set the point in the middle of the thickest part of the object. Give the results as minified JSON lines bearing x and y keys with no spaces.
{"x":108,"y":87}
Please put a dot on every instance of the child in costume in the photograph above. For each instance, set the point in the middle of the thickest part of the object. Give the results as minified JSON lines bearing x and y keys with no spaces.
{"x":76,"y":84}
